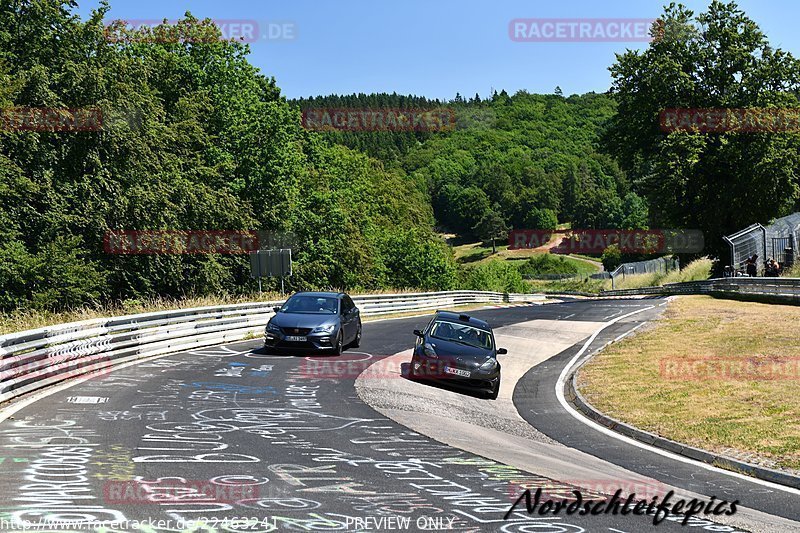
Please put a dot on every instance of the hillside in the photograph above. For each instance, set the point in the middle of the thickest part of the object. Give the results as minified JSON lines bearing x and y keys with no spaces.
{"x":532,"y":159}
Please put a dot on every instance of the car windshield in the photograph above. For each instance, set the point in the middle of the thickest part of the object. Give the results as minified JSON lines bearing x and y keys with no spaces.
{"x":312,"y":305}
{"x":461,"y":333}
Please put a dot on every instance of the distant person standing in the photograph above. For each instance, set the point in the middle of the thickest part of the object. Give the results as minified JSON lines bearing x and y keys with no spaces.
{"x":751,"y":267}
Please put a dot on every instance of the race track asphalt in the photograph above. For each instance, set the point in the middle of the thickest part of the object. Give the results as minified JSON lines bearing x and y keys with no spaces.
{"x":246,"y":441}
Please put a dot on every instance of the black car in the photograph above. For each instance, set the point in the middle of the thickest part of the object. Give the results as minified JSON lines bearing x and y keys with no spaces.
{"x":459,"y":349}
{"x":314,"y":321}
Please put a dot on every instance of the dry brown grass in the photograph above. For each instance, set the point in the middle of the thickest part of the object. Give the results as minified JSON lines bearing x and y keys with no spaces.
{"x":465,"y":307}
{"x":24,"y":320}
{"x":645,"y":380}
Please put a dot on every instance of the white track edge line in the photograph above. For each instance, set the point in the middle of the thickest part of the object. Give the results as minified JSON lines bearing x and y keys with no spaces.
{"x":602,"y":429}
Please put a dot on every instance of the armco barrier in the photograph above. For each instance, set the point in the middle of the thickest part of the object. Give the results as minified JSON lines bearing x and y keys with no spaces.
{"x":779,"y":290}
{"x":31,"y":360}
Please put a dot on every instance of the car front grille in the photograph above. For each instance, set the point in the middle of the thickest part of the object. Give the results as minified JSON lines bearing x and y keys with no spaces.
{"x":296,"y":331}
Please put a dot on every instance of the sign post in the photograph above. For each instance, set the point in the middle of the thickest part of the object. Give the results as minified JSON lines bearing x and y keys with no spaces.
{"x":271,"y":263}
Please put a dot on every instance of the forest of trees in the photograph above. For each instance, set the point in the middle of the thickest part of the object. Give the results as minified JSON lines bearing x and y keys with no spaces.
{"x":205,"y":141}
{"x":214,"y":146}
{"x":529,"y":159}
{"x":719,"y":182}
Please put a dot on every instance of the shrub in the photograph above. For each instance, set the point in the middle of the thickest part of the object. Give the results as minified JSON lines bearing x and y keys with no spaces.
{"x":543,"y":264}
{"x":497,"y":275}
{"x":611,"y":258}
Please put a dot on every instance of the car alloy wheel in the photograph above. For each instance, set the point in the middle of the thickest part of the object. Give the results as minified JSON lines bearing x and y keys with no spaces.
{"x":339,"y":345}
{"x":357,"y":341}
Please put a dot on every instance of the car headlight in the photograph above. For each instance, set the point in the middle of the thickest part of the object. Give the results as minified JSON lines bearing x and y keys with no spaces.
{"x":428,"y":350}
{"x":489,"y":364}
{"x":325,"y":329}
{"x":273,"y":328}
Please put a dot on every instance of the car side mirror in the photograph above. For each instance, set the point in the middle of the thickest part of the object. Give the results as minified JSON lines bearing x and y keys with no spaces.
{"x":276,"y":309}
{"x":502,"y":351}
{"x":418,"y":333}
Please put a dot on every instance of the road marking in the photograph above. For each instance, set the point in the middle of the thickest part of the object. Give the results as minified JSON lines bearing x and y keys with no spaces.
{"x":562,"y":378}
{"x":628,"y":332}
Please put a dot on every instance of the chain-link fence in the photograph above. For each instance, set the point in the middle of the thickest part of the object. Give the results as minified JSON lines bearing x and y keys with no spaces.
{"x":782,"y":239}
{"x":777,"y":241}
{"x":660,"y":265}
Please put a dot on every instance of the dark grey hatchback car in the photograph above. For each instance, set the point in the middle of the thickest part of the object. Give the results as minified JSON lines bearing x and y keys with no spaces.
{"x":314,"y":322}
{"x":460,"y":349}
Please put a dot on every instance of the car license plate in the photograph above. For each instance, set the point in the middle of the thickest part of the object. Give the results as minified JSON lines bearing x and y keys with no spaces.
{"x":294,"y":338}
{"x":457,"y":372}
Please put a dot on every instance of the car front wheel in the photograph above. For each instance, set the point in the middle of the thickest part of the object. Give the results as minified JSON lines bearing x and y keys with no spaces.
{"x":495,"y":390}
{"x":339,"y":347}
{"x":357,"y":341}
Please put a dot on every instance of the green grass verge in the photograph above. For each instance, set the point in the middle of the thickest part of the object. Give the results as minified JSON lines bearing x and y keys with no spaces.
{"x":654,"y":381}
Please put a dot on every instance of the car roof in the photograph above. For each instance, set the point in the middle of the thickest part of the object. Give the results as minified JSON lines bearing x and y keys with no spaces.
{"x":320,"y":293}
{"x":464,"y":319}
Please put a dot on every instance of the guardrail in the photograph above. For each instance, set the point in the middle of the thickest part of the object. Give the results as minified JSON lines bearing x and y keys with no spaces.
{"x":783,"y":290}
{"x":34,"y":359}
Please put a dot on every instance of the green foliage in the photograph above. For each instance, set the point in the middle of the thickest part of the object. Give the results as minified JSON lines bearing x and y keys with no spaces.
{"x":611,"y":258}
{"x":491,"y":226}
{"x":534,"y":155}
{"x":193,"y":138}
{"x":718,"y":182}
{"x":544,"y":264}
{"x":495,"y":275}
{"x":540,"y":219}
{"x":418,"y":261}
